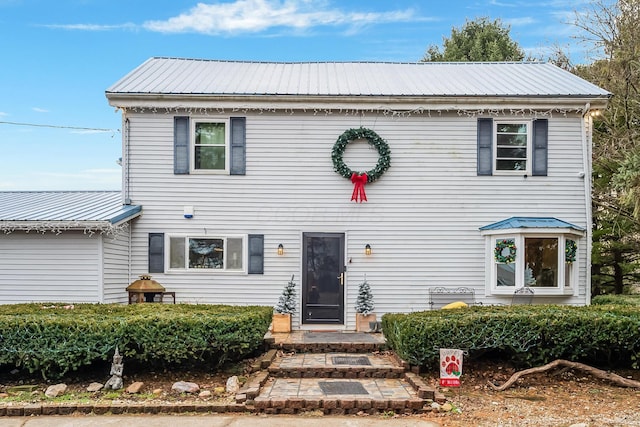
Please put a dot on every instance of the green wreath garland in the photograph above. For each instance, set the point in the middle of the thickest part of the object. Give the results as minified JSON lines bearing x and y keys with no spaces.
{"x":498,"y":252}
{"x":570,"y":249}
{"x":384,"y":161}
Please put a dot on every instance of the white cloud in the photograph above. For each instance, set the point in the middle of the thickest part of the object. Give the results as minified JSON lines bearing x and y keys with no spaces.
{"x":246,"y":16}
{"x":91,"y":27}
{"x":40,"y":110}
{"x":518,"y":22}
{"x":3,"y":114}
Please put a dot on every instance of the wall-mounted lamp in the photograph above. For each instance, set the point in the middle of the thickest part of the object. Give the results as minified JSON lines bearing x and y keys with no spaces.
{"x":367,"y":249}
{"x":594,"y":113}
{"x":280,"y":249}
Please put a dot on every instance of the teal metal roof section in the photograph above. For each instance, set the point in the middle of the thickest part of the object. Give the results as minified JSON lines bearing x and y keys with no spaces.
{"x":530,"y":222}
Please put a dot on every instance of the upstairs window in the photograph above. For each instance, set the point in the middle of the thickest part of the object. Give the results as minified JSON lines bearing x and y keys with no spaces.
{"x":210,"y":146}
{"x":512,"y":147}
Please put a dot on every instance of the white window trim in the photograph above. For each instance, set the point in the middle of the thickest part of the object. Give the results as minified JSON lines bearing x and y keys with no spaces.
{"x":529,"y":158}
{"x":167,"y":257}
{"x":192,"y":145}
{"x":519,"y":236}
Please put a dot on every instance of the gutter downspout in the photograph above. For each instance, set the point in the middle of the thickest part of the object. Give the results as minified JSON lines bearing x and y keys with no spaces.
{"x":587,"y":141}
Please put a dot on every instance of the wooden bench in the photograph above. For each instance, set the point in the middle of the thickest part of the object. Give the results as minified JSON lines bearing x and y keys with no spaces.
{"x":440,"y":296}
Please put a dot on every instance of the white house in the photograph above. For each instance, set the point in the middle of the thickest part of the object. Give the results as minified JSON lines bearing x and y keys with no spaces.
{"x":478,"y":176}
{"x":69,"y":246}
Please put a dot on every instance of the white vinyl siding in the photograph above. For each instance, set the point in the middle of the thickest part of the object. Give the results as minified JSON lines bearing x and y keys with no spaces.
{"x":116,"y":267}
{"x":49,"y":268}
{"x":421,"y":218}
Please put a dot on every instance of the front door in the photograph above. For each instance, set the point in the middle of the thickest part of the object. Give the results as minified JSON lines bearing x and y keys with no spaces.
{"x":323,"y":278}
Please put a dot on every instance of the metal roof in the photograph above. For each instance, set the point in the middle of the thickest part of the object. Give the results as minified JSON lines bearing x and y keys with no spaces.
{"x":179,"y":76}
{"x":65,"y":206}
{"x":530,"y":222}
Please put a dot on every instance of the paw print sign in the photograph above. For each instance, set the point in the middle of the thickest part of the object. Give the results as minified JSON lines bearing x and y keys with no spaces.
{"x":450,"y":367}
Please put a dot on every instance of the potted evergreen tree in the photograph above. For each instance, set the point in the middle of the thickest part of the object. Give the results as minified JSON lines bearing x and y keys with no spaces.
{"x":364,"y":308}
{"x":284,"y":309}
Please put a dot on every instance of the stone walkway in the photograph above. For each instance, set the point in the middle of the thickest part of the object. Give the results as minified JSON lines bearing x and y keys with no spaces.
{"x":338,"y":373}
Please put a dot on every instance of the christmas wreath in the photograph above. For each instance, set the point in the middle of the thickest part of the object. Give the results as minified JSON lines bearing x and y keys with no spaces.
{"x":361,"y":178}
{"x":505,"y":251}
{"x":570,"y":249}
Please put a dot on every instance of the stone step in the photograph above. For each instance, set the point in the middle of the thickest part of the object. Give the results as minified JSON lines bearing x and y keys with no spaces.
{"x":323,"y":342}
{"x":336,"y":365}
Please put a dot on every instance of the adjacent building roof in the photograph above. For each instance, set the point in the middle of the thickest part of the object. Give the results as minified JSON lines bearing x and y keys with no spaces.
{"x":95,"y":210}
{"x":530,"y":222}
{"x":177,"y":76}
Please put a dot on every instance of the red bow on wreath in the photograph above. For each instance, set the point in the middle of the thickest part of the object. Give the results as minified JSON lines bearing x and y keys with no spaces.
{"x":358,"y":187}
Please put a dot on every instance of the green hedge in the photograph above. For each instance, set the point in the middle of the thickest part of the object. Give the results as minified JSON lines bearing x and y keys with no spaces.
{"x":616,"y":299}
{"x":53,"y":340}
{"x":530,"y":335}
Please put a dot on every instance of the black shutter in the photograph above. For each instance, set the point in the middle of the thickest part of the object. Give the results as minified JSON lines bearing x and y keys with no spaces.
{"x":238,"y":144}
{"x":181,"y":145}
{"x":485,"y":146}
{"x":156,"y":252}
{"x":540,"y":145}
{"x":256,"y":254}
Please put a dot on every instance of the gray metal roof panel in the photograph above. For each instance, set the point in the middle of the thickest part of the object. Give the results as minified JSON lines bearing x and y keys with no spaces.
{"x":530,"y":222}
{"x":212,"y":77}
{"x":101,"y":206}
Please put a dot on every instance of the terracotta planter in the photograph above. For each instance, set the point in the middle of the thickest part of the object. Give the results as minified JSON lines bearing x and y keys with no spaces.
{"x":362,"y":321}
{"x":281,"y":323}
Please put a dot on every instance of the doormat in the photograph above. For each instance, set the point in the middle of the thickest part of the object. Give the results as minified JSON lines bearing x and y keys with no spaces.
{"x":341,"y":387}
{"x":351,"y":360}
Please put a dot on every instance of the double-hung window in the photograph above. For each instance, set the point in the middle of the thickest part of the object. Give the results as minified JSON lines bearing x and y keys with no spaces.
{"x":210,"y":146}
{"x":207,"y":253}
{"x":512,"y":147}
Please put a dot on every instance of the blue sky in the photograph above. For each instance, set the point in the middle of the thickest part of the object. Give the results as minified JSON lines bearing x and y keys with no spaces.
{"x":57,"y":131}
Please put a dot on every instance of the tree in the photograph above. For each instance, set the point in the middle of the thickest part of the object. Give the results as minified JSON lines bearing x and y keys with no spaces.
{"x":478,"y":40}
{"x":287,"y":301}
{"x":613,"y":30}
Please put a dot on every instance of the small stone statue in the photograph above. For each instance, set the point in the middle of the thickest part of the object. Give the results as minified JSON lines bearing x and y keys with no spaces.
{"x":115,"y":382}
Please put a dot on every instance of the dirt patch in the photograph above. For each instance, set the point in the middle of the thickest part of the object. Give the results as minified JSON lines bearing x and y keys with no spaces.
{"x":561,"y":398}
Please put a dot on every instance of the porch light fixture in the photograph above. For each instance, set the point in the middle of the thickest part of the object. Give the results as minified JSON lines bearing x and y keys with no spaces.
{"x":280,"y":249}
{"x":367,"y":249}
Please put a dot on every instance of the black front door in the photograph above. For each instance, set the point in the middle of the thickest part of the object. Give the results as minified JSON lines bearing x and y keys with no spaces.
{"x":323,"y":278}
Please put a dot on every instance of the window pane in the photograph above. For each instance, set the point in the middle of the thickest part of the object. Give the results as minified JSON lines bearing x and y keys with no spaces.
{"x":234,"y":251}
{"x":206,"y":253}
{"x":176,"y":252}
{"x":210,"y":157}
{"x":512,"y":153}
{"x":508,"y":139}
{"x":210,"y":133}
{"x":511,"y":165}
{"x":512,"y":128}
{"x":541,"y":257}
{"x":506,"y":274}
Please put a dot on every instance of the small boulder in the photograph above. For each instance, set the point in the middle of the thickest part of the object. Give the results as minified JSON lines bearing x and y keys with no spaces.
{"x":185,"y":387}
{"x":447,"y":407}
{"x":219,"y":390}
{"x":157,"y":391}
{"x":135,"y":387}
{"x":205,"y":394}
{"x":93,"y":387}
{"x":233,"y":385}
{"x":55,"y":390}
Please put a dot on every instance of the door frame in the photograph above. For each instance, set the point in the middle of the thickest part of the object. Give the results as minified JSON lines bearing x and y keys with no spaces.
{"x":340,"y":322}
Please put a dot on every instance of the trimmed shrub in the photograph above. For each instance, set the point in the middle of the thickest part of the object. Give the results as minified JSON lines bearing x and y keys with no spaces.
{"x":53,"y":340}
{"x":633,"y":300}
{"x":529,"y":334}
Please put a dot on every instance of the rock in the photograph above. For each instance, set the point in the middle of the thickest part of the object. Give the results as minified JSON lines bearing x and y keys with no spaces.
{"x":55,"y":390}
{"x":579,"y":425}
{"x":135,"y":387}
{"x":219,"y":390}
{"x":435,"y":406}
{"x":233,"y":385}
{"x":447,"y":407}
{"x":4,"y":395}
{"x":93,"y":387}
{"x":205,"y":394}
{"x":185,"y":387}
{"x":157,"y":391}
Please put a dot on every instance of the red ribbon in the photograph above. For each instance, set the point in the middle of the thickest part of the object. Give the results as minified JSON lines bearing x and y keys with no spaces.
{"x":358,"y":187}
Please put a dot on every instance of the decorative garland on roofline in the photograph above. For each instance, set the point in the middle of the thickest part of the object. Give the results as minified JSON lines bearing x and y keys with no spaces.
{"x":58,"y":227}
{"x":359,"y":179}
{"x":505,"y":251}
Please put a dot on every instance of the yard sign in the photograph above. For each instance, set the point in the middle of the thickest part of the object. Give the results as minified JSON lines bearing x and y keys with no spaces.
{"x":450,"y":367}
